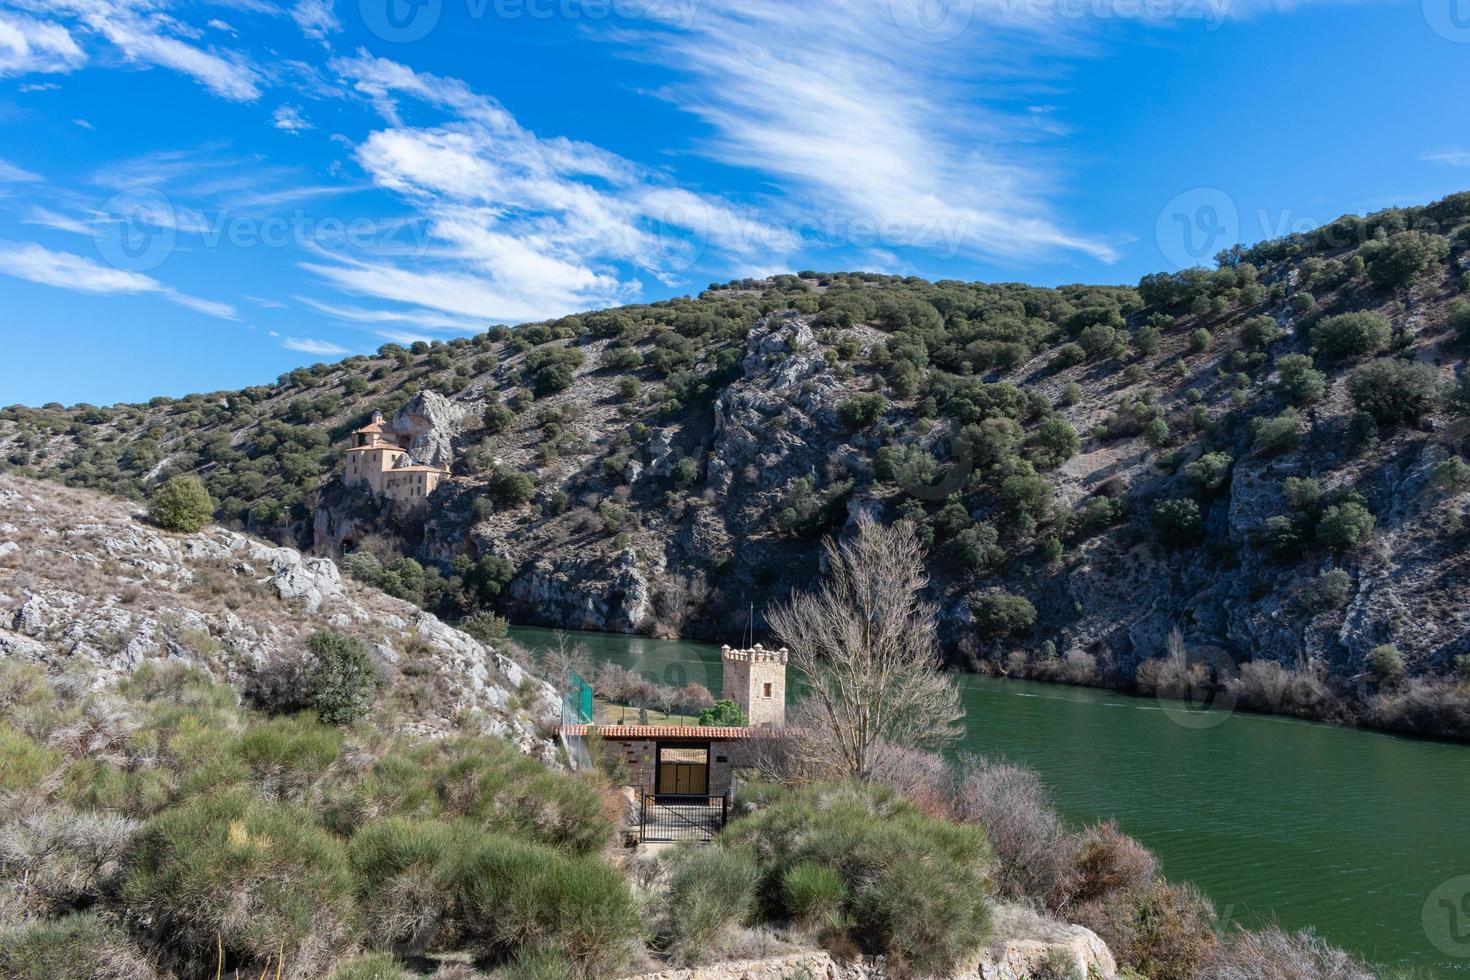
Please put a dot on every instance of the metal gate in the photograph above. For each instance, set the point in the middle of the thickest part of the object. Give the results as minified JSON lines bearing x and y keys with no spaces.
{"x":680,"y":818}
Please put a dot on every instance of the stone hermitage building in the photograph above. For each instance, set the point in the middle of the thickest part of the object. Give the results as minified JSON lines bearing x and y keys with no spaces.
{"x":379,"y":459}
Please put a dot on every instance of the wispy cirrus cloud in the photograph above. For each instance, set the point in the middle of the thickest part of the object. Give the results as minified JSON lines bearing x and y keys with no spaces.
{"x":308,"y":345}
{"x":11,"y":174}
{"x":64,"y":270}
{"x":520,"y":226}
{"x":1452,"y":158}
{"x":143,"y":31}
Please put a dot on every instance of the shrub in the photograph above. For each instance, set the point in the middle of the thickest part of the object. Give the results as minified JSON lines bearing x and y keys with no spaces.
{"x":1054,"y":442}
{"x":23,"y":763}
{"x":1298,"y":381}
{"x":1001,"y":614}
{"x":181,"y":504}
{"x":496,"y":417}
{"x":1424,"y":706}
{"x":1033,"y":850}
{"x":1403,"y":257}
{"x":1351,"y":334}
{"x":552,"y":368}
{"x":1345,"y":526}
{"x":1270,"y":953}
{"x":499,"y":896}
{"x":916,"y":886}
{"x":1385,"y":662}
{"x":288,"y":755}
{"x":724,"y":713}
{"x":976,"y":547}
{"x":343,"y":678}
{"x":861,"y":411}
{"x":1332,"y":589}
{"x":1177,"y":521}
{"x":710,"y":890}
{"x":1199,"y":340}
{"x":1210,"y":472}
{"x":77,"y":945}
{"x":253,"y":878}
{"x":1395,"y":391}
{"x":509,"y":487}
{"x":1452,"y":475}
{"x":1171,"y":933}
{"x":1261,"y":332}
{"x":1273,"y":436}
{"x":814,"y":896}
{"x":485,"y":627}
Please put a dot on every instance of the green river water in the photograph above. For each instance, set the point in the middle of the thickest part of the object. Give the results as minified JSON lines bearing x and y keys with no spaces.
{"x":1364,"y":837}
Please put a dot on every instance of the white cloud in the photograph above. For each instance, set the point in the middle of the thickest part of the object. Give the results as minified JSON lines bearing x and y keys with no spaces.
{"x":290,"y":119}
{"x":522,"y":226}
{"x":414,"y":316}
{"x":82,"y":123}
{"x":308,"y":346}
{"x":61,"y":222}
{"x":881,"y":134}
{"x":11,"y":174}
{"x":316,"y":18}
{"x":143,"y":32}
{"x":64,"y":270}
{"x":28,"y":45}
{"x":1453,"y":158}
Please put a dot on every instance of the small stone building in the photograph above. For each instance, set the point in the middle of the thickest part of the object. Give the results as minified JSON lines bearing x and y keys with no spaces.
{"x":379,"y":459}
{"x":755,"y":679}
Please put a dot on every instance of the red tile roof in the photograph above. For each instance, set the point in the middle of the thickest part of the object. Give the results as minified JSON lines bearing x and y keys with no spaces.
{"x":661,"y":731}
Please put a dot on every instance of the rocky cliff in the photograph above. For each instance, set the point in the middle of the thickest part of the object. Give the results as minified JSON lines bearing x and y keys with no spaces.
{"x":89,"y":590}
{"x":1266,"y":457}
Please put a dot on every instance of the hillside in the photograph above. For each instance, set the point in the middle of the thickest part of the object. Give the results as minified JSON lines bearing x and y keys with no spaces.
{"x":90,"y":592}
{"x":1266,"y":456}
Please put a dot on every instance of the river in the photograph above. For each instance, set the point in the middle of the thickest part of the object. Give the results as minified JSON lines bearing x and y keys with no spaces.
{"x":1362,"y":836}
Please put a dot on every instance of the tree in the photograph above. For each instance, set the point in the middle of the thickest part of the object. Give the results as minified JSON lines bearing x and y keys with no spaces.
{"x":342,"y":677}
{"x":1400,"y":260}
{"x":861,"y":411}
{"x":1351,"y":335}
{"x":1178,"y":521}
{"x":1395,"y":391}
{"x":1261,"y":332}
{"x":724,"y":713}
{"x":181,"y":504}
{"x":1209,"y":473}
{"x":1345,"y":526}
{"x":1298,"y":381}
{"x":1385,"y":662}
{"x":864,"y":645}
{"x":1002,"y":614}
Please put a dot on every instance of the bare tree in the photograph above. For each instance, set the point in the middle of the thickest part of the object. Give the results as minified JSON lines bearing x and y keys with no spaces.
{"x":864,"y":644}
{"x":563,"y":659}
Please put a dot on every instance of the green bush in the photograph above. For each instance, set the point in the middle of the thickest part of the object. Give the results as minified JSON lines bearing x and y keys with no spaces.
{"x":74,"y":946}
{"x":181,"y":504}
{"x":710,"y":889}
{"x":723,"y":714}
{"x":1177,"y":522}
{"x":1403,"y":257}
{"x":1210,"y":472}
{"x":485,"y":627}
{"x":252,"y":878}
{"x":1385,"y":662}
{"x":999,"y":615}
{"x":421,"y":881}
{"x":343,"y":678}
{"x":1298,"y":381}
{"x":814,"y":896}
{"x":1395,"y":391}
{"x":1260,"y":332}
{"x":1345,"y":526}
{"x":1273,"y":436}
{"x":915,"y":888}
{"x":1351,"y":334}
{"x":23,"y":763}
{"x":861,"y":411}
{"x":289,"y":754}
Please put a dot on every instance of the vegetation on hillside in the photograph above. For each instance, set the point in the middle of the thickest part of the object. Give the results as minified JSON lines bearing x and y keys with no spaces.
{"x":1324,"y":355}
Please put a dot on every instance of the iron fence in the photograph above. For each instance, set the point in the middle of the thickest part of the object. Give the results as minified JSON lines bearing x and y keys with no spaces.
{"x":681,"y":818}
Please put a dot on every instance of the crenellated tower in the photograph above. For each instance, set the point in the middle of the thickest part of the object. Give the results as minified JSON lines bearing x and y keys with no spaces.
{"x":755,"y":679}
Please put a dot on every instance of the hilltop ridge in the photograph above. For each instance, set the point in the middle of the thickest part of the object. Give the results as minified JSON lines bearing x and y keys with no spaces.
{"x":1265,"y":458}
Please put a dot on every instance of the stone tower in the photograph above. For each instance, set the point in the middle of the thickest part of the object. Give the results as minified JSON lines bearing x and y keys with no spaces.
{"x":755,"y":679}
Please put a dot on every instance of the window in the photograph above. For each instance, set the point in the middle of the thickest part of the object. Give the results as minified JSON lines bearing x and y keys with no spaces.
{"x":766,"y":691}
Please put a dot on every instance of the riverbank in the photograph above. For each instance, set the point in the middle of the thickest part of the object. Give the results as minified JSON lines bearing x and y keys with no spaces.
{"x":1346,"y":830}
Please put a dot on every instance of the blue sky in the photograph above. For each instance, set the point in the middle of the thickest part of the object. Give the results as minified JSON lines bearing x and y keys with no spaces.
{"x":196,"y":196}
